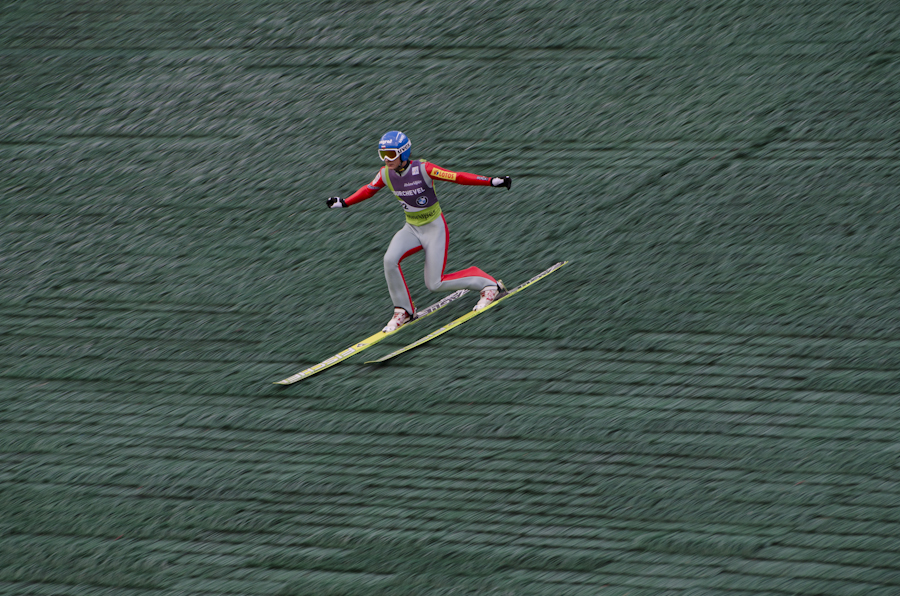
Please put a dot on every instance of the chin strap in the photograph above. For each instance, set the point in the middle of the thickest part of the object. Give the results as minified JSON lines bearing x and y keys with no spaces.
{"x":403,"y":167}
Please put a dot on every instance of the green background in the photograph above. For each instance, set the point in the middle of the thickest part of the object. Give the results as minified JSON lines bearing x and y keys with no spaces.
{"x":704,"y":401}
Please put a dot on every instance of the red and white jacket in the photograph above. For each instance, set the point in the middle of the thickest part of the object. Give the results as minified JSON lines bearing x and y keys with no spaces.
{"x":433,"y":171}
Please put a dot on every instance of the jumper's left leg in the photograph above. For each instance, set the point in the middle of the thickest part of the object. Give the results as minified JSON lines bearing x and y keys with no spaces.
{"x":435,"y":238}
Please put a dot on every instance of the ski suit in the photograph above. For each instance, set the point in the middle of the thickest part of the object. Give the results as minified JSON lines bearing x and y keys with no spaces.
{"x":426,"y":228}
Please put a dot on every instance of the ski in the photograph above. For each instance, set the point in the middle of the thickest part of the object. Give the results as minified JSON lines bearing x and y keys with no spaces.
{"x":369,"y":341}
{"x":470,"y":315}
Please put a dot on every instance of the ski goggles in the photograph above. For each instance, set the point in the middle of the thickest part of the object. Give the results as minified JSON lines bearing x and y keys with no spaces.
{"x":388,"y":154}
{"x":392,"y":154}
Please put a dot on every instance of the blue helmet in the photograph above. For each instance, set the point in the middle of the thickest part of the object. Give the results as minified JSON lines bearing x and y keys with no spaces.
{"x":392,"y":144}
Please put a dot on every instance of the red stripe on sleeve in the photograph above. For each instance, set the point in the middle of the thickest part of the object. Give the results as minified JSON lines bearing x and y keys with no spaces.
{"x":367,"y":191}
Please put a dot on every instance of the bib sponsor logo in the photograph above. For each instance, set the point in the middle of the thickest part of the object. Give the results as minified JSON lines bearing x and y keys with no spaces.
{"x":415,"y":170}
{"x":421,"y":201}
{"x":451,"y":176}
{"x":409,"y":193}
{"x":420,"y":215}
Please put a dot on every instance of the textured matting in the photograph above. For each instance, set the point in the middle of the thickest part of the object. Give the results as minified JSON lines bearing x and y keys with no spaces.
{"x":703,"y":402}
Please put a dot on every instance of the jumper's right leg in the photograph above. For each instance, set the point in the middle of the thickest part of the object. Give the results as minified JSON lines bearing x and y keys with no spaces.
{"x":404,"y":243}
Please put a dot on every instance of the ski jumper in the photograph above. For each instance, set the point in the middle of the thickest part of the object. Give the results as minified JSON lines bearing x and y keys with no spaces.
{"x":425,"y":229}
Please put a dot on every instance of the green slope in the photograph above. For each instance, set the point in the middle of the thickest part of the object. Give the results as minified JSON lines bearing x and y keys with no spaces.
{"x":702,"y":402}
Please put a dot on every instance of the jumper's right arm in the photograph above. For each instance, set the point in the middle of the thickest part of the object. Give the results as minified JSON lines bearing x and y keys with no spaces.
{"x":362,"y":194}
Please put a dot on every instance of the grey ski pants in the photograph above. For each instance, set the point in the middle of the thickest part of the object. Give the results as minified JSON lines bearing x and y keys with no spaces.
{"x":434,"y":238}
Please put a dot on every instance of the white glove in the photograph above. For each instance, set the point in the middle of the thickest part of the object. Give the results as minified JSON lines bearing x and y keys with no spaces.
{"x":505,"y":181}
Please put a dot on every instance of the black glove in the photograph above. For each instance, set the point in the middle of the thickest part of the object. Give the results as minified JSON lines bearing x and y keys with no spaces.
{"x":505,"y":181}
{"x":335,"y":202}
